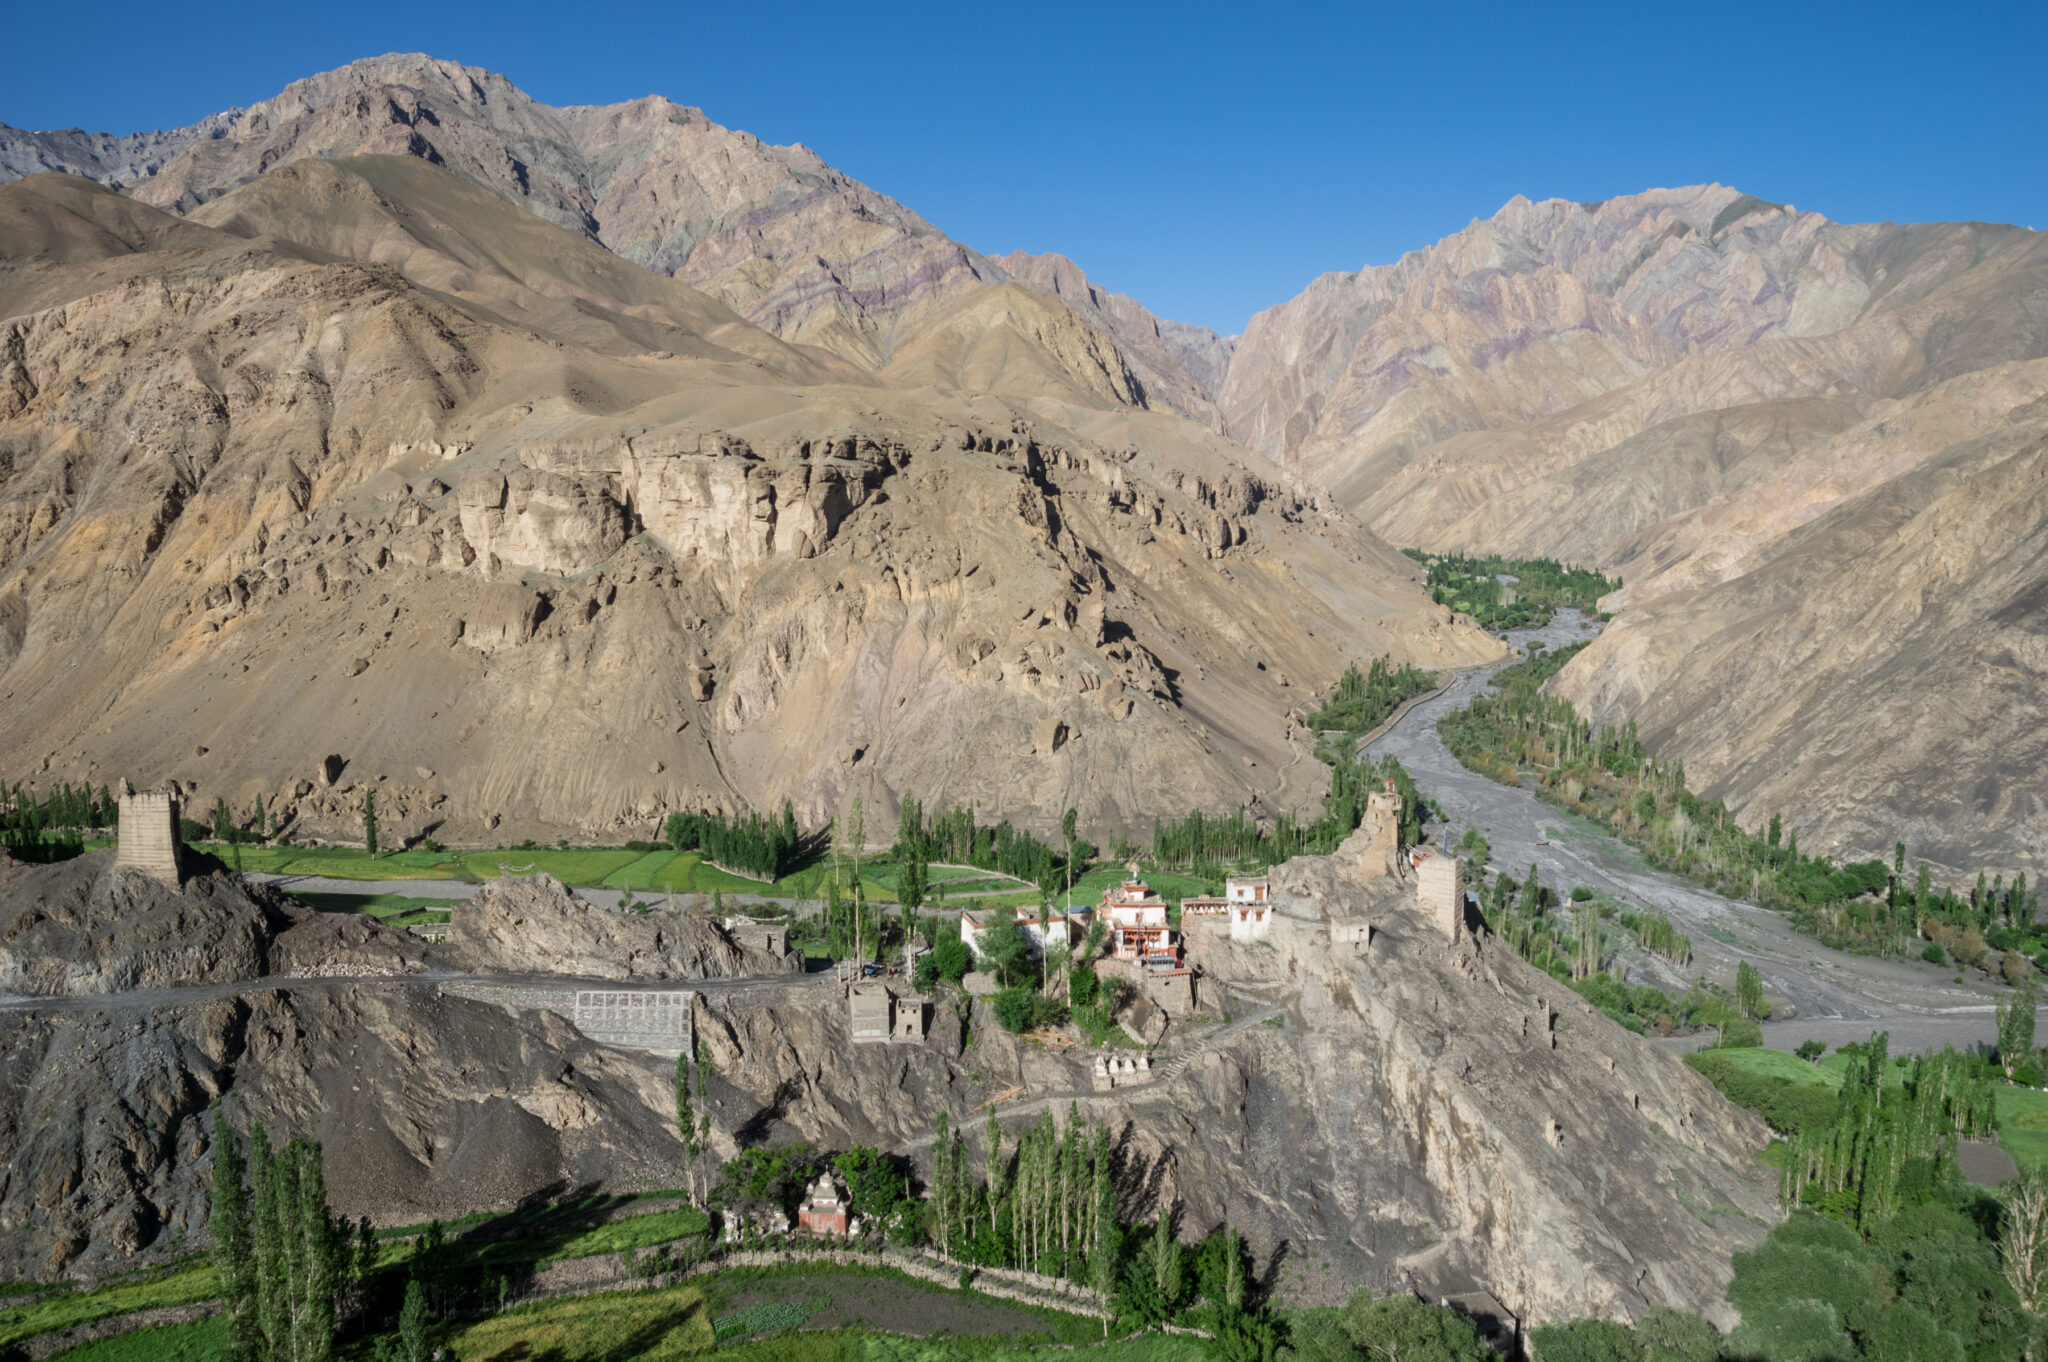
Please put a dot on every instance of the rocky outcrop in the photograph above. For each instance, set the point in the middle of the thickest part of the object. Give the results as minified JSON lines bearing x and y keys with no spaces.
{"x":532,"y":924}
{"x":1415,"y":1111}
{"x":425,"y":1105}
{"x":83,"y":928}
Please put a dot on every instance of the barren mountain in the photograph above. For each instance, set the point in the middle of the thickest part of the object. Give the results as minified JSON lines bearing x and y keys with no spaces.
{"x":382,"y":467}
{"x":1182,"y":366}
{"x":1673,"y":386}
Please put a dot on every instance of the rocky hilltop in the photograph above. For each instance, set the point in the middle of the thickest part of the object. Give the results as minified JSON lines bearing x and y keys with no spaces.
{"x":1414,"y":1110}
{"x":362,"y":462}
{"x":84,"y":929}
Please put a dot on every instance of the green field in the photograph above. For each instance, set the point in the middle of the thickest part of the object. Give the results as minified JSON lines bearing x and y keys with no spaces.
{"x":340,"y":863}
{"x":383,"y":906}
{"x":649,"y":1324}
{"x":652,"y":870}
{"x":196,"y":1342}
{"x":71,"y":1308}
{"x":2023,"y":1124}
{"x":579,"y":865}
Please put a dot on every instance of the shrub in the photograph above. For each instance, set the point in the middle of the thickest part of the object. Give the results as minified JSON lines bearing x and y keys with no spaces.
{"x":1581,"y":894}
{"x":1013,"y":1009}
{"x":1082,"y":985}
{"x":1933,"y":954}
{"x":1741,"y":1033}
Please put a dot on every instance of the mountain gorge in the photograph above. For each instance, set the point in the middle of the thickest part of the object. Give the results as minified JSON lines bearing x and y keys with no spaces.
{"x":1801,"y":444}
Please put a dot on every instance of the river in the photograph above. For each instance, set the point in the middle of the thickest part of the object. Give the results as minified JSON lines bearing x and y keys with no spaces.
{"x":1831,"y":995}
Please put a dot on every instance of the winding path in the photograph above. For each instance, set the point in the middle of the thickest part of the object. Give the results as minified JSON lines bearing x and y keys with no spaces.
{"x":1837,"y":996}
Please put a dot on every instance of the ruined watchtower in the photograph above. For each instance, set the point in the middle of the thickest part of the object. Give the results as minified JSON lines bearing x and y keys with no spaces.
{"x":1441,"y":887}
{"x":149,"y":834}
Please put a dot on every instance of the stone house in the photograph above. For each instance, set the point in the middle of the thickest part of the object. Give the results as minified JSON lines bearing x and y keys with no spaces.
{"x":877,"y":1016}
{"x":771,"y":937}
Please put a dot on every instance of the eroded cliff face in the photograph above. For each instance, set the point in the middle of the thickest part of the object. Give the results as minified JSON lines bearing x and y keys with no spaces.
{"x":532,"y":924}
{"x":426,"y":1105}
{"x":84,"y":929}
{"x":261,"y":510}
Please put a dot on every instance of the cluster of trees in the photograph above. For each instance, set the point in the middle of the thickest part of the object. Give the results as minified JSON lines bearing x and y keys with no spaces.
{"x":749,"y":844}
{"x":1363,"y":700}
{"x":1205,"y":843}
{"x":53,"y":827}
{"x":288,"y":1267}
{"x":1578,"y":952}
{"x":1606,"y":774}
{"x":1932,"y":1281}
{"x":1540,"y":587}
{"x":772,"y":1178}
{"x":1885,"y":1137}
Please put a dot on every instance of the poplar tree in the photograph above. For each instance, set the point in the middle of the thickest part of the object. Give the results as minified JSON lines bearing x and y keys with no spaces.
{"x":1749,"y":990}
{"x":2015,"y":1028}
{"x":370,"y":822}
{"x":994,"y":1166}
{"x":1166,"y":1265}
{"x":233,"y":1252}
{"x":942,"y":1184}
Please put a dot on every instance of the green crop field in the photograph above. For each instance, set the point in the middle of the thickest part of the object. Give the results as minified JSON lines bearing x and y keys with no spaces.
{"x":339,"y":863}
{"x":71,"y":1308}
{"x":379,"y":905}
{"x":199,"y":1341}
{"x":654,"y":870}
{"x":578,"y":865}
{"x":635,"y":1324}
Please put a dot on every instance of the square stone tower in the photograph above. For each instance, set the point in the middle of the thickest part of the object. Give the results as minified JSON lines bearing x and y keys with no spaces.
{"x":1441,"y":887}
{"x":149,"y":835}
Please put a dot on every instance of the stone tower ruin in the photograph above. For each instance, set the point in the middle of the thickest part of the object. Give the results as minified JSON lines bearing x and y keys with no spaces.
{"x":1441,"y":887}
{"x":149,"y":834}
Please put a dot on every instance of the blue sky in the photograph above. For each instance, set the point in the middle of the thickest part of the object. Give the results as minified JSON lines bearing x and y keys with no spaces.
{"x":1209,"y":159}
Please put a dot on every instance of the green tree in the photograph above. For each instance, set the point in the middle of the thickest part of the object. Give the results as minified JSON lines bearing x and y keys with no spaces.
{"x":1005,"y":950}
{"x":1391,"y":1328}
{"x":1587,"y":1340}
{"x":1811,"y":1050}
{"x":223,"y":821}
{"x":1675,"y":1336}
{"x":1749,"y":991}
{"x":414,"y":1342}
{"x":233,"y":1249}
{"x":874,"y":1185}
{"x":370,"y":822}
{"x":1167,"y":1275}
{"x":2015,"y":1015}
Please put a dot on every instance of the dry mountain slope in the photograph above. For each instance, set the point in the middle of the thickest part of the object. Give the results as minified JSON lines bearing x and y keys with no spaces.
{"x":407,"y":491}
{"x":1676,"y":386}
